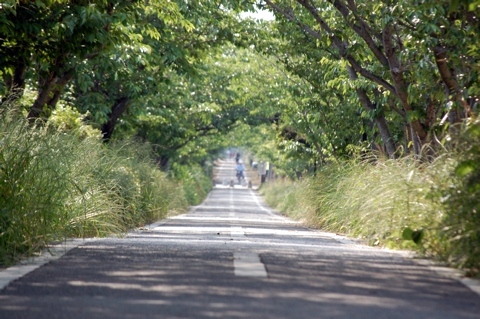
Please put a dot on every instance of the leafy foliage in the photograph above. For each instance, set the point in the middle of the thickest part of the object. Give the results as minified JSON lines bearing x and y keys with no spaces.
{"x":461,"y":198}
{"x":325,"y":82}
{"x":380,"y":45}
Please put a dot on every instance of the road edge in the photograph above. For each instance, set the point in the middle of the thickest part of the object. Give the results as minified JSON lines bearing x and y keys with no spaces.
{"x":27,"y":265}
{"x":448,"y":272}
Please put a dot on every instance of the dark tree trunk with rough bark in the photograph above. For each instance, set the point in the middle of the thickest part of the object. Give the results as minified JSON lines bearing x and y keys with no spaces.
{"x":380,"y":120}
{"x":15,"y":83}
{"x":49,"y":93}
{"x":118,"y":108}
{"x":37,"y":109}
{"x":453,"y":91}
{"x":401,"y":87}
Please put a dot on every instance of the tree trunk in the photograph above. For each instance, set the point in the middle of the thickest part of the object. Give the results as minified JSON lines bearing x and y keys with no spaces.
{"x":386,"y":136}
{"x":37,"y":109}
{"x":401,"y":87}
{"x":117,"y":110}
{"x":163,"y":162}
{"x":417,"y":145}
{"x":48,"y":95}
{"x":450,"y":81}
{"x":15,"y":84}
{"x":58,"y":89}
{"x":380,"y":120}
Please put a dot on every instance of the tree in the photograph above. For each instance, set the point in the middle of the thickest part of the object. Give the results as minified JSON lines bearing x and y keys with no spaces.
{"x":228,"y":88}
{"x":136,"y":71}
{"x":371,"y":38}
{"x":50,"y":40}
{"x":325,"y":92}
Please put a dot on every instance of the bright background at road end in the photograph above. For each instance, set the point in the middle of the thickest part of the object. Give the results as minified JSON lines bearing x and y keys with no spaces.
{"x":258,"y":14}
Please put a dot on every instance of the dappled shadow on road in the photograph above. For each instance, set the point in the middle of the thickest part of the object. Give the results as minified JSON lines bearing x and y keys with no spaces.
{"x":114,"y":280}
{"x":183,"y":267}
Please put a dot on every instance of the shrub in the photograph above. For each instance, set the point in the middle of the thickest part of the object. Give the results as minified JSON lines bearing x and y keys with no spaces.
{"x":195,"y":183}
{"x":461,"y":198}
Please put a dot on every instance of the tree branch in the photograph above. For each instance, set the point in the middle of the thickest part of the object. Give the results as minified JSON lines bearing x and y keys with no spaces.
{"x":398,"y":78}
{"x":449,"y":79}
{"x":342,"y":50}
{"x":361,"y":28}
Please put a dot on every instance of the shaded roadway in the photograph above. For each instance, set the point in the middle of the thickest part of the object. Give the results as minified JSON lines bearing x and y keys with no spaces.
{"x":185,"y":267}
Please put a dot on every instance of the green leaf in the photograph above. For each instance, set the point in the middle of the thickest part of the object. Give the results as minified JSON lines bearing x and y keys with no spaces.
{"x":474,"y":131}
{"x":474,"y":5}
{"x":407,"y":233}
{"x":465,"y":168}
{"x":454,"y":5}
{"x":417,"y":236}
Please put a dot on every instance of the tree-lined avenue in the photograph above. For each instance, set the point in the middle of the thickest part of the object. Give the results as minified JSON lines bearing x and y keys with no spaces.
{"x":233,"y":257}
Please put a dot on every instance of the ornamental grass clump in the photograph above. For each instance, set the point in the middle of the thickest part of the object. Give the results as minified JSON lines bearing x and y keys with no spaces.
{"x":284,"y":195}
{"x":34,"y":186}
{"x":194,"y":182}
{"x":432,"y":206}
{"x":374,"y":200}
{"x":57,"y":184}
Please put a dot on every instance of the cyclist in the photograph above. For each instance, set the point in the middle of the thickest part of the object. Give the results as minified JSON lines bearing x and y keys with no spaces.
{"x":240,"y":171}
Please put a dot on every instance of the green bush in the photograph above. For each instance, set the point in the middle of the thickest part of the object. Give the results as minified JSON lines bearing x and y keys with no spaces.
{"x":195,"y":183}
{"x":460,"y":195}
{"x":147,"y":193}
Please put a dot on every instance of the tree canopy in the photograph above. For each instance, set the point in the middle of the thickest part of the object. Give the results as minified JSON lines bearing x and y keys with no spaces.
{"x":324,"y":78}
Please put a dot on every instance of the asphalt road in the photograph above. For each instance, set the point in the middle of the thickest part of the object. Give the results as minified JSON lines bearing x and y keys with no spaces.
{"x":233,"y":257}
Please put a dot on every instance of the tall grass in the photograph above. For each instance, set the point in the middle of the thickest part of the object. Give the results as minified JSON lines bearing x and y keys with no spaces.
{"x":384,"y":202}
{"x":193,"y":180}
{"x":56,"y":184}
{"x":372,"y":200}
{"x":34,"y":185}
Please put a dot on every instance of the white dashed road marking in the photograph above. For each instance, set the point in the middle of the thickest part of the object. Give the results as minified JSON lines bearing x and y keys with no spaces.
{"x":248,"y":264}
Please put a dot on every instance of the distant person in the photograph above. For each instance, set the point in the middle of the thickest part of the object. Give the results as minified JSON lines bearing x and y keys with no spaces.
{"x":237,"y":158}
{"x":240,"y":171}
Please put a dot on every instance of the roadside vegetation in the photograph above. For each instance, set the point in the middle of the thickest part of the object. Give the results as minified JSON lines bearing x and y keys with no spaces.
{"x":430,"y":207}
{"x":60,"y":181}
{"x":112,"y":115}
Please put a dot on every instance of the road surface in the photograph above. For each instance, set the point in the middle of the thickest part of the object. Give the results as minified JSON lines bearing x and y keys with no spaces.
{"x":233,"y":257}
